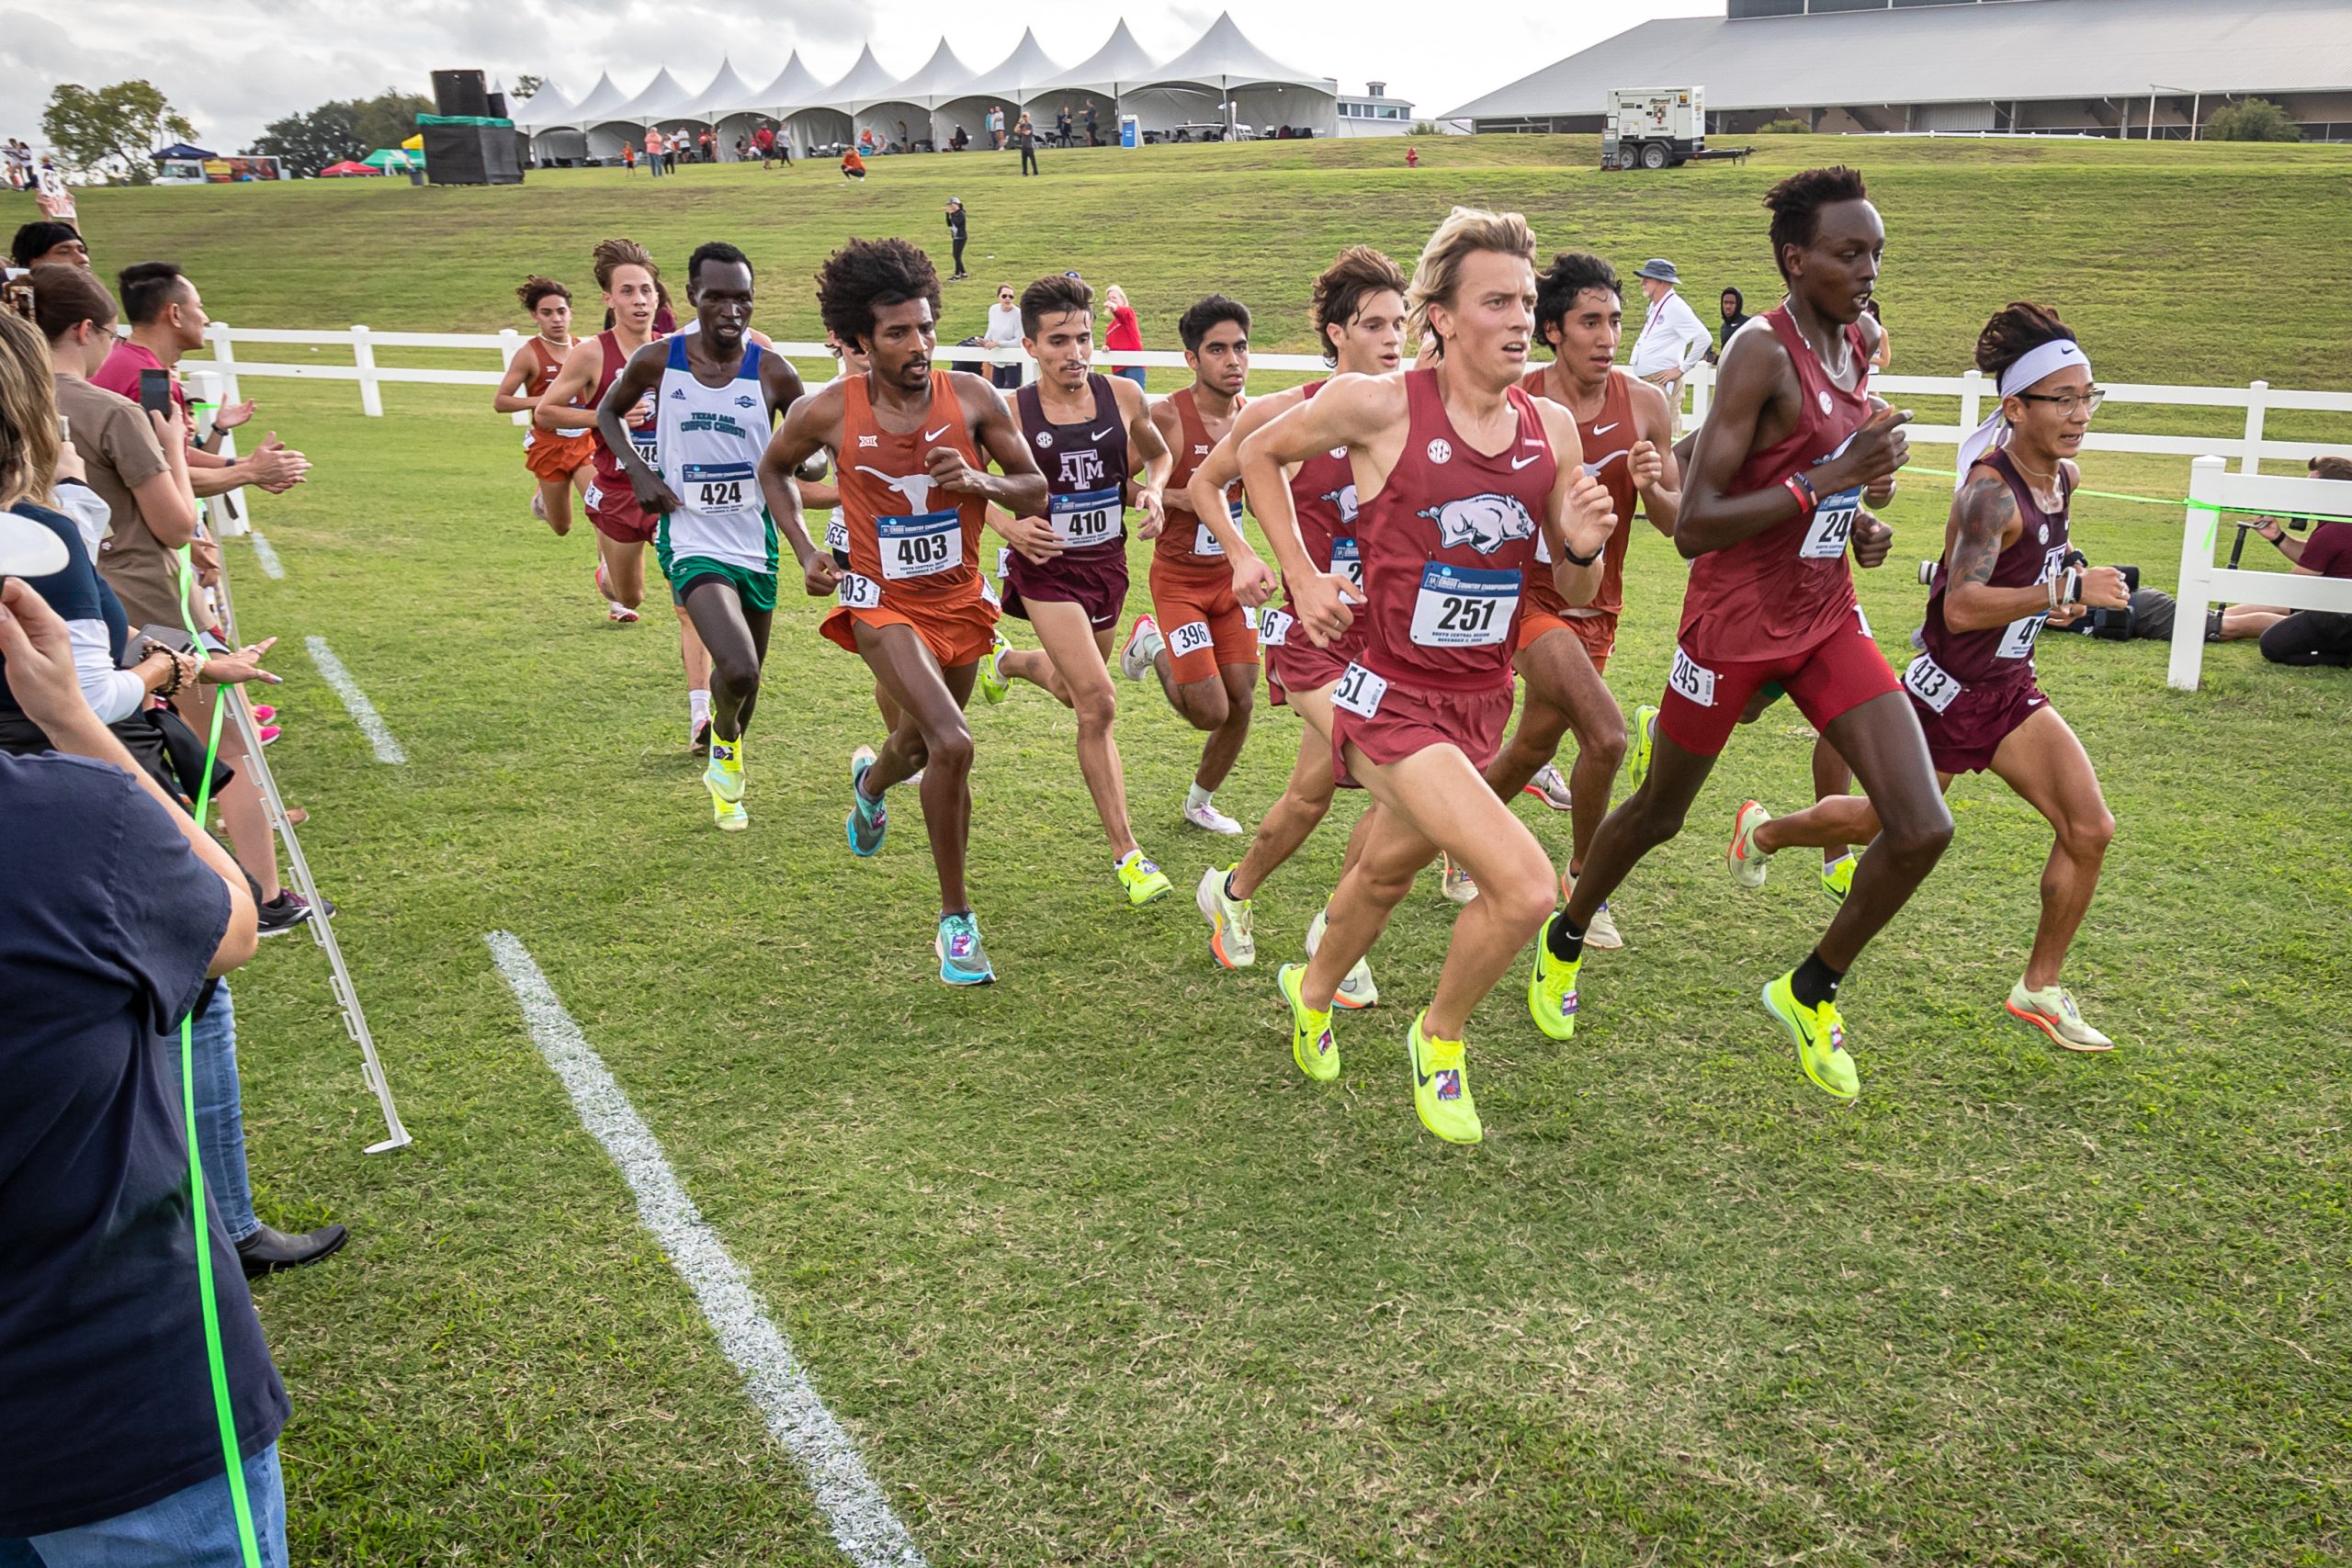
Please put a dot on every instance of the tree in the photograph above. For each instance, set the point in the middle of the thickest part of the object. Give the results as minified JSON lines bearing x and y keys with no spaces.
{"x":389,"y":117}
{"x":308,"y":143}
{"x":111,"y":132}
{"x":2255,"y":120}
{"x":525,"y":87}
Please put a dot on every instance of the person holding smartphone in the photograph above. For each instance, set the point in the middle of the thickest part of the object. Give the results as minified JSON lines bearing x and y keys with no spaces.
{"x":167,"y":323}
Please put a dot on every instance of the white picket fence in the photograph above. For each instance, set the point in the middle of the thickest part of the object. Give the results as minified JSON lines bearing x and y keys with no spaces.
{"x":2258,"y":400}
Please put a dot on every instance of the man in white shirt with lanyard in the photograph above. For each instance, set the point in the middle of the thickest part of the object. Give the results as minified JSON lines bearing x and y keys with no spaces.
{"x":1673,"y":339}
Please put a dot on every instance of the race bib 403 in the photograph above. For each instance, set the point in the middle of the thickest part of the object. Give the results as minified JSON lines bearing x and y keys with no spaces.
{"x":921,"y":545}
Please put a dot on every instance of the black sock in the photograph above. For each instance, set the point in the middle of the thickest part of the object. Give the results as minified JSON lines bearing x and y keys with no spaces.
{"x":1814,"y":982}
{"x":1563,"y":941}
{"x":1228,"y":886}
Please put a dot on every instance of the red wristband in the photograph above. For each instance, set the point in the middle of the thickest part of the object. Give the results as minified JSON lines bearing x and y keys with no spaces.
{"x":1797,"y":486}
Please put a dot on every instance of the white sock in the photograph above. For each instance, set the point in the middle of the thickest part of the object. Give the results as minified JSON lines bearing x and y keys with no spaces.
{"x":697,"y":709}
{"x":1199,"y":799}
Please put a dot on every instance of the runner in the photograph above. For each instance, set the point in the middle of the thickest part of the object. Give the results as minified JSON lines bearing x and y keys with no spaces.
{"x":1772,"y":499}
{"x":2010,"y":568}
{"x":910,"y":604}
{"x":1068,"y":577}
{"x":714,"y":539}
{"x":560,"y":460}
{"x":633,"y":296}
{"x":1454,"y":464}
{"x":1206,"y":657}
{"x":1358,"y":310}
{"x":1626,"y":429}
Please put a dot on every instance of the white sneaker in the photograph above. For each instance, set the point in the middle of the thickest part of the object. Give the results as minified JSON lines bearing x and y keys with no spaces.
{"x":1602,"y":932}
{"x":1747,"y":863}
{"x":1356,"y":991}
{"x":1230,"y":939}
{"x":2052,"y":1010}
{"x":1458,"y":884}
{"x":539,"y":505}
{"x":866,"y":754}
{"x":1549,"y":787}
{"x":1207,"y":816}
{"x":1142,"y":644}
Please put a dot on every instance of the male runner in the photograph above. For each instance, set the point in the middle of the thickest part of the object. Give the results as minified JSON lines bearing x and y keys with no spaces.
{"x":563,"y":460}
{"x":1205,"y":652}
{"x":911,"y":437}
{"x":1358,"y":310}
{"x":1068,"y":577}
{"x":1626,"y":429}
{"x":717,"y":397}
{"x":1772,"y":500}
{"x":633,"y":301}
{"x":1453,"y":465}
{"x":2008,"y":568}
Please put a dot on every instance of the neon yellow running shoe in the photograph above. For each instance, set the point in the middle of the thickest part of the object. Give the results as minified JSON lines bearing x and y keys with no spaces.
{"x":1143,"y":880}
{"x":724,"y":773}
{"x":728,"y":815}
{"x":1311,"y":1045}
{"x":1552,"y":987}
{"x":1838,"y":878}
{"x":1441,"y":1088}
{"x":1820,"y":1037}
{"x":993,"y":685}
{"x":1637,"y":765}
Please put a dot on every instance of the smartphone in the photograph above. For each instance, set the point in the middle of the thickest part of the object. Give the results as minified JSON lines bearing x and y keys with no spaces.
{"x":64,"y":430}
{"x":174,"y":638}
{"x":155,"y":391}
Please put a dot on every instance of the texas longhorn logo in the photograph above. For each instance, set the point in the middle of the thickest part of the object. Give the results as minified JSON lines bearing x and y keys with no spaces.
{"x":1486,"y":523}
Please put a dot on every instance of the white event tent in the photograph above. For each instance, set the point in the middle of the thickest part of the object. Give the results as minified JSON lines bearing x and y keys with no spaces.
{"x":1007,"y":86}
{"x":1236,"y":81}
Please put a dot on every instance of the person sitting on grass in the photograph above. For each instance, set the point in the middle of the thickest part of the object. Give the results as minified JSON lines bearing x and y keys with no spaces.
{"x":2298,"y":636}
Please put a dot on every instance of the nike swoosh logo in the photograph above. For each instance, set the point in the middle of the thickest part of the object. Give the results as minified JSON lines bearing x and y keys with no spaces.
{"x":1518,"y":463}
{"x":935,"y":435}
{"x":1605,"y":429}
{"x":1104,"y":434}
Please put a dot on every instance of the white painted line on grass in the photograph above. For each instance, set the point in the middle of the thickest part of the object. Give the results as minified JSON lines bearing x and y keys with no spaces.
{"x":869,"y":1534}
{"x":362,"y":712}
{"x":270,"y":565}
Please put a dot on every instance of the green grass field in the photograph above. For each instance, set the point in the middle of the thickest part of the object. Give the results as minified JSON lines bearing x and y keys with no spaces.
{"x":1092,"y":1275}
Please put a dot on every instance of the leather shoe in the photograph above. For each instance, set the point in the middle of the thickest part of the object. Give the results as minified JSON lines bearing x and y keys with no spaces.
{"x":266,"y":1250}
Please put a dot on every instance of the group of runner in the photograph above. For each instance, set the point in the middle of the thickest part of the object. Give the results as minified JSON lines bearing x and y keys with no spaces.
{"x":1446,"y":537}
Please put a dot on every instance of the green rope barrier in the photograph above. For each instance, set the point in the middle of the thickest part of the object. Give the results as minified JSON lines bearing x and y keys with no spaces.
{"x":2185,"y":501}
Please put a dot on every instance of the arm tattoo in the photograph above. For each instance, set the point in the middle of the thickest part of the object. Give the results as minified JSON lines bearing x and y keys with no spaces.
{"x":1986,"y":509}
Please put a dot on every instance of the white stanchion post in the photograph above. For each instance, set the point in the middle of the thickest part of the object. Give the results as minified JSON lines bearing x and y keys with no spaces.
{"x":1703,"y":392}
{"x":363,"y":354}
{"x":2257,"y":404}
{"x":510,"y":343}
{"x":1972,"y":399}
{"x":226,"y":513}
{"x":224,"y":360}
{"x":2197,"y":531}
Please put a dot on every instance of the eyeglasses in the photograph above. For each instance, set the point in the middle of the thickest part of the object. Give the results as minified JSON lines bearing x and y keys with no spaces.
{"x":2068,"y":403}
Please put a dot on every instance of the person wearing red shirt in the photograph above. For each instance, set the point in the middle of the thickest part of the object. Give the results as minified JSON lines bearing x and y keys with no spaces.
{"x":1122,"y":333}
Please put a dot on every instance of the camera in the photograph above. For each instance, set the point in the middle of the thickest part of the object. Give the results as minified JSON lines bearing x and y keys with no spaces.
{"x":1928,"y":572}
{"x":2113,"y":626}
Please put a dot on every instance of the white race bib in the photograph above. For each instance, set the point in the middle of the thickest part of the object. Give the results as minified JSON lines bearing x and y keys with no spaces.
{"x":1693,"y":679}
{"x":719,"y":490}
{"x":595,"y":496}
{"x":1461,"y":606}
{"x":1193,"y":637}
{"x":1348,"y":562}
{"x":837,"y":534}
{"x":1358,"y":692}
{"x":1931,"y":682}
{"x":1833,"y":519}
{"x":647,"y":443}
{"x":1274,"y":626}
{"x":2019,"y":638}
{"x":1205,"y":543}
{"x":1088,"y":517}
{"x":855,"y":592}
{"x":921,"y":545}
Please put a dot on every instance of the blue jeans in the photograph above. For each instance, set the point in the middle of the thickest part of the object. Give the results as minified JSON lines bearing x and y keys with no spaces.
{"x":220,"y":1114}
{"x":1133,"y":372}
{"x":194,"y":1528}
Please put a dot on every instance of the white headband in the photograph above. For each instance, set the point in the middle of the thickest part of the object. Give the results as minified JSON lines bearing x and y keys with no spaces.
{"x":2045,"y":359}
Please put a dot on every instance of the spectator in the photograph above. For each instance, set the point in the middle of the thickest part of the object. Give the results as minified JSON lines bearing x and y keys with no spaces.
{"x":1673,"y":341}
{"x":1123,"y":332}
{"x":852,"y":165}
{"x":112,"y":1450}
{"x":20,"y":164}
{"x":957,"y":233}
{"x":958,"y":141}
{"x":137,"y":464}
{"x":708,"y":155}
{"x":1004,"y":333}
{"x":1883,"y":355}
{"x":1735,"y":316}
{"x":1062,"y":126}
{"x":653,"y":151}
{"x":44,"y":241}
{"x":906,"y":139}
{"x":996,"y":126}
{"x":742,"y":148}
{"x":53,"y":198}
{"x":1092,"y":140}
{"x":1025,"y":136}
{"x":764,"y":140}
{"x":629,"y":157}
{"x":2299,"y":636}
{"x":167,"y":323}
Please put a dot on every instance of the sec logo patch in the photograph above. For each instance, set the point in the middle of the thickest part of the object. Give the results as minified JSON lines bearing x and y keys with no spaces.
{"x":1441,"y":450}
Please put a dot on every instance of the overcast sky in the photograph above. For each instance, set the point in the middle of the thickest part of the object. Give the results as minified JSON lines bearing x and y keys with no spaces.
{"x":234,"y":64}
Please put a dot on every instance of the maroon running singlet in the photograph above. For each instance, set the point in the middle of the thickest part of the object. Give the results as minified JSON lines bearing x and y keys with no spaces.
{"x":1323,"y":494}
{"x":1972,"y":688}
{"x":1446,"y":548}
{"x":1086,"y":469}
{"x":612,"y":500}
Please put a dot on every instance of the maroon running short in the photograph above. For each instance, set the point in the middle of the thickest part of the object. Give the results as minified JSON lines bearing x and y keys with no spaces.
{"x":1962,"y":739}
{"x":613,"y":508}
{"x":1414,"y":718}
{"x":1095,"y":579}
{"x":1704,"y":699}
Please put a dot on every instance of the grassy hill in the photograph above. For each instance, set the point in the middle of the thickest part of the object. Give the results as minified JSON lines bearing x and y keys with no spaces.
{"x":1085,"y":1267}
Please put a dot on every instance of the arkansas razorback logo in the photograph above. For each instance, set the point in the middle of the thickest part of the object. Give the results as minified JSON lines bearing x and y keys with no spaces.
{"x":1486,"y":523}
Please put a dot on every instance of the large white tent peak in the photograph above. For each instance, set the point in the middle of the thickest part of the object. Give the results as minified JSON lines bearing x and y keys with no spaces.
{"x":867,"y":82}
{"x":938,"y":79}
{"x":548,"y":106}
{"x":795,"y":87}
{"x":657,"y":99}
{"x":1225,"y":56}
{"x":727,"y":93}
{"x":1120,"y":63}
{"x":1018,"y":74}
{"x":602,"y":100}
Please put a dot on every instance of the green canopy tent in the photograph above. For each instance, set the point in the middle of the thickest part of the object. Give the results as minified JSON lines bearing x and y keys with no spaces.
{"x":394,"y":160}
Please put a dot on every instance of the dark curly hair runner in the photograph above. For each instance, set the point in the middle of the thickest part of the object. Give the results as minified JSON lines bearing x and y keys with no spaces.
{"x":866,"y":273}
{"x":1796,"y":203}
{"x":2015,"y":332}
